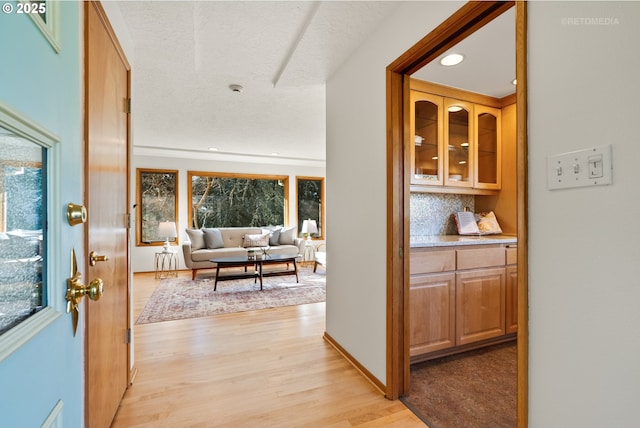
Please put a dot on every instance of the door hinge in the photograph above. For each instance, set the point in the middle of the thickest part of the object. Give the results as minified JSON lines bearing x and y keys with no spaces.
{"x":128,"y":338}
{"x":128,"y":221}
{"x":127,"y":106}
{"x":401,"y":252}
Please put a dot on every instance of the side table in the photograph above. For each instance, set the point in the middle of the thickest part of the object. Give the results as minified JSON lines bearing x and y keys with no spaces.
{"x":166,"y":264}
{"x":309,"y":253}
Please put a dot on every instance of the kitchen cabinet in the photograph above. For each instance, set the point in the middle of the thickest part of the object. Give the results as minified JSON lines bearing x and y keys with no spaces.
{"x":512,"y":290}
{"x":432,"y":311}
{"x":455,"y":143}
{"x":461,"y":297}
{"x":480,"y":305}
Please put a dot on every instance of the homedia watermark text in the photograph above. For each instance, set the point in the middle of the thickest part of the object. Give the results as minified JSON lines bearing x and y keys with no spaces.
{"x":591,"y":21}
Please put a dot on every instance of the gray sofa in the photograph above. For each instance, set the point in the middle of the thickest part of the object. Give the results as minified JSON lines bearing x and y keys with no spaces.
{"x":207,"y":243}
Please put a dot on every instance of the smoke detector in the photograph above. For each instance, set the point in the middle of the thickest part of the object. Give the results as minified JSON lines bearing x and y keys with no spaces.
{"x":236,"y":88}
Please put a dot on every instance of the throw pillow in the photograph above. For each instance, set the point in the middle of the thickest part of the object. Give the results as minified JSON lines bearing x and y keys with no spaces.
{"x":261,"y":240}
{"x":213,"y":238}
{"x":287,"y":235}
{"x":274,"y":236}
{"x":197,"y":239}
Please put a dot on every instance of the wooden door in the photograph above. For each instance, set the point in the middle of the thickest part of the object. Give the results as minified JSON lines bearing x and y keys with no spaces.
{"x":432,"y":311}
{"x":107,"y":92}
{"x":480,"y":305}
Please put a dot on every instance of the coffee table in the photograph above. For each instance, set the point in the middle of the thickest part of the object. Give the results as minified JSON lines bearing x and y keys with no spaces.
{"x":257,"y":264}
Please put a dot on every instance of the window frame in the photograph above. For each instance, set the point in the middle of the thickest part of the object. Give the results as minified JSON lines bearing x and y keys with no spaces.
{"x":321,"y":220}
{"x":16,"y":337}
{"x":140,"y":205}
{"x":191,"y":174}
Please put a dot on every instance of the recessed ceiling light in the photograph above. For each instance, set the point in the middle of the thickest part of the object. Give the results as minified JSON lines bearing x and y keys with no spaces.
{"x":464,"y":145}
{"x":454,"y":109}
{"x":452,"y":59}
{"x":435,"y":158}
{"x":462,"y":162}
{"x":275,"y":154}
{"x":213,"y":149}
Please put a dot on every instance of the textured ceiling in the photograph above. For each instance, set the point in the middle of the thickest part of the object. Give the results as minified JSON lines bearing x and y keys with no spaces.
{"x":187,"y":53}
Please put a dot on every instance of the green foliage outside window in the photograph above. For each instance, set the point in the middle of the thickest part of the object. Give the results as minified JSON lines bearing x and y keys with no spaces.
{"x":238,"y":201}
{"x":310,"y":202}
{"x":157,"y":200}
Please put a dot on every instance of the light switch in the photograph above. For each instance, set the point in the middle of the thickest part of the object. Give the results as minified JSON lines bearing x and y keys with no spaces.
{"x":595,"y":166}
{"x":582,"y":168}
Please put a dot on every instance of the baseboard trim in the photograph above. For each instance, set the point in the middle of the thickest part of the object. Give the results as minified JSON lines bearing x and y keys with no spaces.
{"x":366,"y":373}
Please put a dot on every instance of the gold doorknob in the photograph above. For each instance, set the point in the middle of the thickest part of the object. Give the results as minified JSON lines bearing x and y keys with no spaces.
{"x":94,"y":258}
{"x":76,"y":290}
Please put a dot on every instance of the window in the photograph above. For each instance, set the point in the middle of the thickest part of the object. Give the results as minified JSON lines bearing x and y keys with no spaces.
{"x":237,"y":200}
{"x":22,"y":221}
{"x":310,"y":203}
{"x":157,"y":202}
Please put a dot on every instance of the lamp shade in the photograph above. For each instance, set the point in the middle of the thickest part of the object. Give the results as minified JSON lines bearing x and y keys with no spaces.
{"x":167,"y":230}
{"x":309,"y":227}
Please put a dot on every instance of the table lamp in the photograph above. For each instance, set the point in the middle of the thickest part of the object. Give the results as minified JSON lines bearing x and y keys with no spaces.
{"x":309,"y":227}
{"x":167,"y":230}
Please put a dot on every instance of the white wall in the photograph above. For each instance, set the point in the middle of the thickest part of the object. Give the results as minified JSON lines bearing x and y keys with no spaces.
{"x":356,"y":182}
{"x":142,"y":257}
{"x":584,"y":258}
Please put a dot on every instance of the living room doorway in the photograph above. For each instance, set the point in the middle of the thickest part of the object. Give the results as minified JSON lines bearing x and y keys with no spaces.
{"x":461,"y":24}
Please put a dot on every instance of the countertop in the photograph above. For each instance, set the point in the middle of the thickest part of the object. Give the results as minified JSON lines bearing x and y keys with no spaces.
{"x":453,"y":240}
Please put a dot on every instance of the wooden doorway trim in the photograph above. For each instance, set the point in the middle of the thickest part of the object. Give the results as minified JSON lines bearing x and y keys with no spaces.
{"x":471,"y":17}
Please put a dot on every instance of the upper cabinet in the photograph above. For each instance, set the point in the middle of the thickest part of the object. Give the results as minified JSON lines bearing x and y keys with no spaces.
{"x":455,"y":141}
{"x":427,"y":149}
{"x":488,"y":150}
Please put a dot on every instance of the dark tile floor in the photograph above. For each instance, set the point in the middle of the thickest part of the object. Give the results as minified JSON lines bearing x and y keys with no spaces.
{"x":476,"y":389}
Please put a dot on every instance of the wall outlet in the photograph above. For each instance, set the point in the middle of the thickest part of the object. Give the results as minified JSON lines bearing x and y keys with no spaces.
{"x":582,"y":168}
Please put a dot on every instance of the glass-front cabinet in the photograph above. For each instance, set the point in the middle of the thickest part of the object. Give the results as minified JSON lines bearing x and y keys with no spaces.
{"x":455,"y":144}
{"x":489,"y":149}
{"x":427,"y":137}
{"x":459,"y":145}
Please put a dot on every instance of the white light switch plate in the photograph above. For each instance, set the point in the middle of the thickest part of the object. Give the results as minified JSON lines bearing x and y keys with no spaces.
{"x":582,"y":168}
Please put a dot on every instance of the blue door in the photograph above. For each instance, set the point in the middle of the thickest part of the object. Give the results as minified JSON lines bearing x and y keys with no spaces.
{"x":41,"y":361}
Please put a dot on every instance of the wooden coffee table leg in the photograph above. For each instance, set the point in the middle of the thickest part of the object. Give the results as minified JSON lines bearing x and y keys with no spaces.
{"x":295,"y":269}
{"x":215,"y":284}
{"x":260,"y":273}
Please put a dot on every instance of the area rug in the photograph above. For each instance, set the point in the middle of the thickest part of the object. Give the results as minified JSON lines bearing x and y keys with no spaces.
{"x":181,"y":298}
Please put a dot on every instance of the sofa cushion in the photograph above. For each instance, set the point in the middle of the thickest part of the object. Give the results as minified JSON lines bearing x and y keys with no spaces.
{"x":234,"y":236}
{"x":287,"y":235}
{"x":213,"y":238}
{"x":274,"y":236}
{"x":258,"y":240}
{"x":196,"y":236}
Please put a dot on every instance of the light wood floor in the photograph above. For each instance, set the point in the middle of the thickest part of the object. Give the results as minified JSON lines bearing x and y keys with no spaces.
{"x":268,"y":368}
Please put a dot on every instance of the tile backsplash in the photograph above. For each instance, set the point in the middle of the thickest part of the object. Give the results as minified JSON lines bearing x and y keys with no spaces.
{"x":431,"y":213}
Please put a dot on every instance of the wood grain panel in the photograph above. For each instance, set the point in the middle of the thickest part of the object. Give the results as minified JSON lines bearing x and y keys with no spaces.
{"x":432,"y":311}
{"x":512,"y":299}
{"x":432,"y":261}
{"x":480,"y":305}
{"x":473,"y":258}
{"x":107,"y":184}
{"x":512,"y":255}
